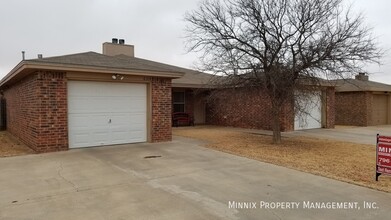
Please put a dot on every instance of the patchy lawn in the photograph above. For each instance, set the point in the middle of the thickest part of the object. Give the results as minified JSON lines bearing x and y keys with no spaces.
{"x":10,"y":146}
{"x":349,"y":162}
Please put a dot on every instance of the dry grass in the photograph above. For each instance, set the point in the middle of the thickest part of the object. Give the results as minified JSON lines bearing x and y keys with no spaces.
{"x":10,"y":146}
{"x":349,"y":162}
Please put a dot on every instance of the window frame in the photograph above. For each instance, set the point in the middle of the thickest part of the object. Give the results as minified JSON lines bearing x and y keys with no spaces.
{"x":182,"y":103}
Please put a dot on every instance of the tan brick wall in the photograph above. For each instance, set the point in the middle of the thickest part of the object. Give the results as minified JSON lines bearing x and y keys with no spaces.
{"x":161,"y":110}
{"x":353,"y":108}
{"x":37,"y":111}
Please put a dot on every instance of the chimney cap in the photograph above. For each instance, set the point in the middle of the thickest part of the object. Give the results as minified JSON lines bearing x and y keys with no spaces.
{"x":121,"y":41}
{"x":114,"y":40}
{"x":40,"y":56}
{"x":362,"y":76}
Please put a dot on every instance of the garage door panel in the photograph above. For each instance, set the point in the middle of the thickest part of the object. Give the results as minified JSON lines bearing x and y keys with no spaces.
{"x":134,"y":105}
{"x":312,"y":116}
{"x":137,"y":90}
{"x":124,"y":90}
{"x":106,"y":113}
{"x":79,"y":88}
{"x":137,"y":121}
{"x":83,"y":105}
{"x":88,"y":120}
{"x":100,"y":137}
{"x":88,"y":130}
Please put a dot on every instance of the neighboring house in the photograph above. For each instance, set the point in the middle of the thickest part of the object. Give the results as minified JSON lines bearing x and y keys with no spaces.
{"x":361,"y":102}
{"x":91,"y":99}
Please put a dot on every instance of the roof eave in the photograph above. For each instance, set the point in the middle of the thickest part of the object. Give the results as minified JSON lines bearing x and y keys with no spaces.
{"x":196,"y":86}
{"x":18,"y":68}
{"x":363,"y":90}
{"x":29,"y":65}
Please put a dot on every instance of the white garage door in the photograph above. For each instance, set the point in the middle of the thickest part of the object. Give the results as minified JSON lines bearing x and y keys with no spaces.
{"x":313,"y":106}
{"x":102,"y":113}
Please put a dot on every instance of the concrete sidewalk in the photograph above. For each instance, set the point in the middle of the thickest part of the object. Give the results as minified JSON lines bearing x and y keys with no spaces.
{"x":361,"y":135}
{"x":178,"y":180}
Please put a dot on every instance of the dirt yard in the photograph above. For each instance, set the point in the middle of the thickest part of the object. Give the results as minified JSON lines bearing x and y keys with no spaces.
{"x":349,"y":162}
{"x":10,"y":146}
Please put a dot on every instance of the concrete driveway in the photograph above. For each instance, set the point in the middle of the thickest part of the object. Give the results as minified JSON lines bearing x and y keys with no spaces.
{"x":186,"y":182}
{"x":361,"y":135}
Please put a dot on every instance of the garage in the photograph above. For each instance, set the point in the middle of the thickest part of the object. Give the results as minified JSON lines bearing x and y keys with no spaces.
{"x":312,"y":118}
{"x":106,"y":113}
{"x":380,"y":109}
{"x":89,"y":99}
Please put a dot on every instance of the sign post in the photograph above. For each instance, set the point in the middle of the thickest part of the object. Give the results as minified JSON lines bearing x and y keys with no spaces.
{"x":383,"y":155}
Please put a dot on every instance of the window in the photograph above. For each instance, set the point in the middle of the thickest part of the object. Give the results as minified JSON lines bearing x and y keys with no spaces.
{"x":178,"y":101}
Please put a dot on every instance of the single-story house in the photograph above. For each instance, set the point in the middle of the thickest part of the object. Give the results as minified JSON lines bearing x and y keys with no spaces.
{"x":361,"y":102}
{"x":92,"y":99}
{"x":89,"y":99}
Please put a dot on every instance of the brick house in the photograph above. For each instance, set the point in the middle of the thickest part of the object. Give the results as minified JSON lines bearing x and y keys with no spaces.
{"x":193,"y":93}
{"x":92,"y":99}
{"x":89,"y":99}
{"x":361,"y":102}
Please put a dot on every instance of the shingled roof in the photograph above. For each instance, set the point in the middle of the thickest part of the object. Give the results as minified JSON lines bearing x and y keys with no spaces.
{"x":356,"y":85}
{"x":93,"y":59}
{"x":182,"y":77}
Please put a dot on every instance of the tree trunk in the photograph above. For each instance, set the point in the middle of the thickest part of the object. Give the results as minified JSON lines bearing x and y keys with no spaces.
{"x":276,"y":124}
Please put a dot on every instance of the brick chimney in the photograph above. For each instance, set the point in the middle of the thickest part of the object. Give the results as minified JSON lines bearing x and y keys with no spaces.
{"x":362,"y":77}
{"x":118,"y":47}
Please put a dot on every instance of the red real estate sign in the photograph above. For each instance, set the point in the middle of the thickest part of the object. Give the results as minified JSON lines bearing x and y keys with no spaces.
{"x":383,"y":155}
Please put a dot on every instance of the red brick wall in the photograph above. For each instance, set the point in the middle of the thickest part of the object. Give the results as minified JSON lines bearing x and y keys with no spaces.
{"x":22,"y":110}
{"x":37,"y":111}
{"x":330,"y":107}
{"x":161,"y":110}
{"x":244,"y":108}
{"x":251,"y":109}
{"x":353,"y":108}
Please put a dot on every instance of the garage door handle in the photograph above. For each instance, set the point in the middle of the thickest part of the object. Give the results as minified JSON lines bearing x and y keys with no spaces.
{"x":109,"y":120}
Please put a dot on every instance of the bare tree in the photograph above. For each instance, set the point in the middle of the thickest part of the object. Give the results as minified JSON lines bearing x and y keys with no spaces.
{"x":276,"y":44}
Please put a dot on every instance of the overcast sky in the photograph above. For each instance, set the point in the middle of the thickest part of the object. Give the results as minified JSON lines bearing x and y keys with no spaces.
{"x":155,"y":27}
